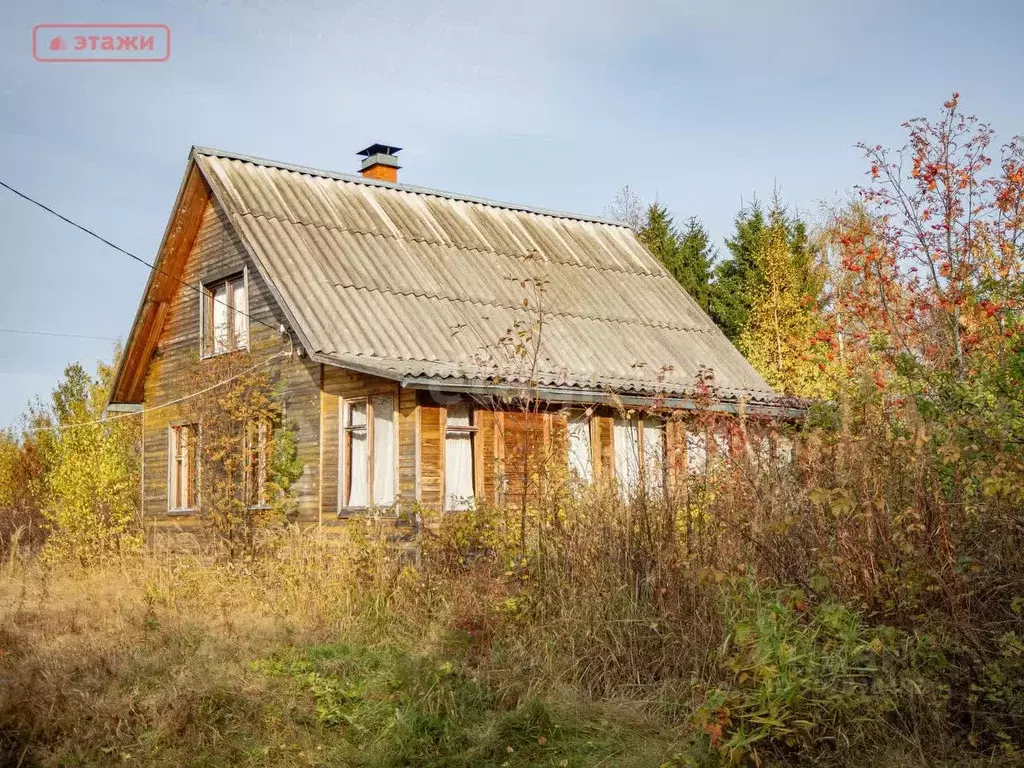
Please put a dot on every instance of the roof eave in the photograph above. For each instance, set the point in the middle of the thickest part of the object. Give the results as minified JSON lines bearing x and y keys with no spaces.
{"x":114,"y":398}
{"x":784,"y":408}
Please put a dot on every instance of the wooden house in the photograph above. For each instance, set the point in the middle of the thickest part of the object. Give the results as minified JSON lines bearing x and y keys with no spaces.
{"x":397,"y":321}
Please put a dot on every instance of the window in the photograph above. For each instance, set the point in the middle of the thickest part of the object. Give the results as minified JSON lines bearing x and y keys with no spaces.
{"x":653,"y":431}
{"x":357,"y":456}
{"x":723,"y":446}
{"x":184,"y":453}
{"x":773,"y":451}
{"x":255,"y":464}
{"x":384,"y":463}
{"x":458,"y":458}
{"x":696,"y":452}
{"x":369,"y":453}
{"x":784,"y":450}
{"x":225,"y":319}
{"x":627,"y":456}
{"x":639,"y":459}
{"x":581,"y":457}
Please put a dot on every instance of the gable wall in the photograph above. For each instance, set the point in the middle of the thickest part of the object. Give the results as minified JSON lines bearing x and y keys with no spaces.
{"x":217,"y":252}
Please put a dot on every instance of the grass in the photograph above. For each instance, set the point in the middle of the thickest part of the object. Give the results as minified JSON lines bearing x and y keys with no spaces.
{"x":168,"y":662}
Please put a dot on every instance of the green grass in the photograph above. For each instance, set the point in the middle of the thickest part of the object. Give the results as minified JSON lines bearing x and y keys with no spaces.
{"x":382,"y":707}
{"x":190,"y":699}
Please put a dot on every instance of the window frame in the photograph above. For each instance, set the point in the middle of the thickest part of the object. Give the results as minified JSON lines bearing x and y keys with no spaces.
{"x":262,"y":431}
{"x":472,"y":430}
{"x":173,"y":441}
{"x":207,"y":344}
{"x":694,"y":440}
{"x":344,"y":452}
{"x":583,"y":413}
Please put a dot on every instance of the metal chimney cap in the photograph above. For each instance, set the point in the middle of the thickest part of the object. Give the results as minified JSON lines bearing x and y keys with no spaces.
{"x":379,"y":149}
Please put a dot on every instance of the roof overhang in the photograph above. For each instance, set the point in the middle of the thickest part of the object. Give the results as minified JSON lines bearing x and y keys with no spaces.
{"x":783,"y":408}
{"x":193,"y":194}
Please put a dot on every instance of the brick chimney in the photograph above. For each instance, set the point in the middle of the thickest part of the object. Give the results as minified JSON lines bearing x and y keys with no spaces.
{"x":379,"y":162}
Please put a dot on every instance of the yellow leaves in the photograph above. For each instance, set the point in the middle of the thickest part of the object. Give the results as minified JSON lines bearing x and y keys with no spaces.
{"x":781,"y":338}
{"x":92,"y":508}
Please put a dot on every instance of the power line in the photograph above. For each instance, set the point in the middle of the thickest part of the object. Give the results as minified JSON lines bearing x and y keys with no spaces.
{"x":62,"y":427}
{"x":129,"y":254}
{"x":56,"y":333}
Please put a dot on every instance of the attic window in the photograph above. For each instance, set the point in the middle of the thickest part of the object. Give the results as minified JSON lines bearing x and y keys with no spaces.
{"x":225,"y":317}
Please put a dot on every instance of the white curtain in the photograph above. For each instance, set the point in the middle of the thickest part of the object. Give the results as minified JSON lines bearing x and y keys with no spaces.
{"x":784,"y":448}
{"x":383,"y":450}
{"x":220,"y":319}
{"x":458,"y":459}
{"x":627,"y":456}
{"x":241,"y":319}
{"x":696,"y":452}
{"x":764,"y":453}
{"x":581,"y":460}
{"x":357,"y":457}
{"x":654,"y":455}
{"x":722,"y":452}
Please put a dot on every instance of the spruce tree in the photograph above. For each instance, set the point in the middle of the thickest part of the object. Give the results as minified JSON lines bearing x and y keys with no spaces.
{"x":687,"y":255}
{"x":659,"y":234}
{"x":695,"y":261}
{"x":737,"y":276}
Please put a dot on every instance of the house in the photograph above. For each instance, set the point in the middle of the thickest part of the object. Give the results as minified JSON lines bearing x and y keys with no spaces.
{"x":390,"y":316}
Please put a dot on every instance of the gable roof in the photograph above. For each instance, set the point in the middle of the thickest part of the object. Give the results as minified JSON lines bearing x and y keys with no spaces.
{"x":418,"y":284}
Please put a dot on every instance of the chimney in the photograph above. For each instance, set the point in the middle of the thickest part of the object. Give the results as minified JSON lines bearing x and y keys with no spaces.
{"x":379,"y":162}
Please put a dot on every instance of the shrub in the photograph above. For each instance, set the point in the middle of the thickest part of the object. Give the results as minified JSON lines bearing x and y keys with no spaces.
{"x":796,"y":678}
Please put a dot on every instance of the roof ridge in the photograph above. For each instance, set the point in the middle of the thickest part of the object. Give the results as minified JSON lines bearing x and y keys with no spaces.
{"x":409,"y":188}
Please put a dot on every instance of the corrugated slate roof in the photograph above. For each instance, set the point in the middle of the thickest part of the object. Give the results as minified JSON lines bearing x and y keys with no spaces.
{"x":411,"y":282}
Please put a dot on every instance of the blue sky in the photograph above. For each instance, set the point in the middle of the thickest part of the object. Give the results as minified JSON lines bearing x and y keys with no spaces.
{"x":555,"y":104}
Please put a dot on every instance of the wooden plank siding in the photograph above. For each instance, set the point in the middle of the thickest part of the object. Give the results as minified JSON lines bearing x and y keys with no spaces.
{"x":408,"y":446}
{"x":216,"y":252}
{"x":432,"y":420}
{"x":526,"y":452}
{"x":486,"y":452}
{"x":604,"y":454}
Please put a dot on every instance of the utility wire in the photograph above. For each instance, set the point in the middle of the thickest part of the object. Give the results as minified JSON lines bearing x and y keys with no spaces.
{"x":73,"y":425}
{"x":56,"y":333}
{"x":198,"y":289}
